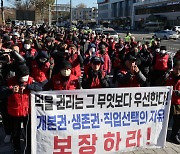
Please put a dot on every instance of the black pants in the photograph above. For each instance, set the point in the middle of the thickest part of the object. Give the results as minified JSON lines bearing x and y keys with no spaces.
{"x":176,"y":122}
{"x":157,"y":78}
{"x":5,"y":117}
{"x":115,"y":73}
{"x":16,"y":131}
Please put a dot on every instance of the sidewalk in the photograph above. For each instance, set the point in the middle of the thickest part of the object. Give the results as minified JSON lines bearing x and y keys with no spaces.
{"x":170,"y":147}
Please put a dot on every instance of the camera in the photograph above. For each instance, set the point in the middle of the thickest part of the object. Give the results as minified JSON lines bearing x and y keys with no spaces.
{"x":6,"y":55}
{"x":3,"y":57}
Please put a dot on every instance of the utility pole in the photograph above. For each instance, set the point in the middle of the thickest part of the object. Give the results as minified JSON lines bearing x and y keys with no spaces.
{"x":70,"y":13}
{"x":2,"y":12}
{"x":56,"y":12}
{"x":49,"y":14}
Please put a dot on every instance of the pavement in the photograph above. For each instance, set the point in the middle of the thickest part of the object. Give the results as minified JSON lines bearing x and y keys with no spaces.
{"x":170,"y":148}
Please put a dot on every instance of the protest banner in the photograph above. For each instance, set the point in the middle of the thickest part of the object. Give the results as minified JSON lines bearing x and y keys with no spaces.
{"x":99,"y":121}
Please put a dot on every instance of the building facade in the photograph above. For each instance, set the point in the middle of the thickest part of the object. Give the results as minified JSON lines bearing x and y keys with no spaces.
{"x":59,"y":13}
{"x":135,"y":12}
{"x":117,"y":11}
{"x":85,"y":15}
{"x":169,"y":10}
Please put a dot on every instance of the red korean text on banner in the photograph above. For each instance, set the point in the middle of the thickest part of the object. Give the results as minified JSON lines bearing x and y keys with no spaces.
{"x":88,"y":144}
{"x":112,"y":140}
{"x":63,"y":145}
{"x":133,"y":139}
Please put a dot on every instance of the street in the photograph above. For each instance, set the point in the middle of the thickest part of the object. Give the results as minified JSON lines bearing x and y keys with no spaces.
{"x":172,"y":45}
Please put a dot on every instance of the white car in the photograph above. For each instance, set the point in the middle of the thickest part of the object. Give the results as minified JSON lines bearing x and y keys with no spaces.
{"x":176,"y":28}
{"x":98,"y":30}
{"x":112,"y":33}
{"x":166,"y":34}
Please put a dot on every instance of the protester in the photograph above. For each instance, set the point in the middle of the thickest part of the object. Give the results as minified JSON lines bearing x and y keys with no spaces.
{"x":64,"y":80}
{"x":146,"y":62}
{"x":18,"y":92}
{"x":106,"y":67}
{"x":129,"y":74}
{"x":76,"y":60}
{"x":40,"y":68}
{"x":174,"y":80}
{"x":56,"y":58}
{"x":161,"y":64}
{"x":95,"y":77}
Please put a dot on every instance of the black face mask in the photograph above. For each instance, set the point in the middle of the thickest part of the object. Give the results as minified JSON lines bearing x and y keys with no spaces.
{"x":7,"y":45}
{"x":176,"y":77}
{"x":102,"y":51}
{"x":41,"y":61}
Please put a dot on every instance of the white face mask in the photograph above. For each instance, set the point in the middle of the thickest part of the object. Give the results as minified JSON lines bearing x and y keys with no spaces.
{"x":66,"y":72}
{"x":163,"y":51}
{"x":43,"y":60}
{"x":93,"y":50}
{"x":24,"y":78}
{"x":27,"y":46}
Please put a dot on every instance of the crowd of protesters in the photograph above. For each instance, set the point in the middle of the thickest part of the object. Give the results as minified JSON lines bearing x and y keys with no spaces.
{"x":52,"y":58}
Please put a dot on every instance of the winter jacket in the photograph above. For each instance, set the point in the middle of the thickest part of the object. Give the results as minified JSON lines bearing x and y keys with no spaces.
{"x":95,"y":79}
{"x":18,"y":103}
{"x":126,"y":79}
{"x":39,"y":74}
{"x":58,"y":82}
{"x":175,"y":82}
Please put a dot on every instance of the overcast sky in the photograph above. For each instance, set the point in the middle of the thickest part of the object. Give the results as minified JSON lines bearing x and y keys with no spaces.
{"x":89,"y":3}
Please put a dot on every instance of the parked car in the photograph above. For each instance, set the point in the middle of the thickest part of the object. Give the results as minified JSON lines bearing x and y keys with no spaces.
{"x":176,"y":28}
{"x":98,"y":30}
{"x":112,"y":33}
{"x":166,"y":34}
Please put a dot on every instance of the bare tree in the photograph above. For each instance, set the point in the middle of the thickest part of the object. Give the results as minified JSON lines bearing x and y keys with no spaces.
{"x":42,"y":6}
{"x":81,"y":5}
{"x":22,"y":4}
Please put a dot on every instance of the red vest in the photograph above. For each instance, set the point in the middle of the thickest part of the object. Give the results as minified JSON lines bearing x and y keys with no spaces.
{"x":161,"y":62}
{"x":117,"y":60}
{"x":76,"y":68}
{"x":18,"y":104}
{"x":96,"y":81}
{"x":59,"y":84}
{"x":106,"y":67}
{"x":171,"y":81}
{"x":40,"y":74}
{"x":133,"y":82}
{"x":33,"y":52}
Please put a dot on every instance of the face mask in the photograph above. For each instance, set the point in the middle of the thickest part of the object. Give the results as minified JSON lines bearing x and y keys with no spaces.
{"x":163,"y":51}
{"x":84,"y":40}
{"x":93,"y":50}
{"x":103,"y":51}
{"x":27,"y":46}
{"x":66,"y":72}
{"x":42,"y":60}
{"x":24,"y":78}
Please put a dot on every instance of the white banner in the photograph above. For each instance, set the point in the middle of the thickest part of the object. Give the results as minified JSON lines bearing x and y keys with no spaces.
{"x":99,"y":121}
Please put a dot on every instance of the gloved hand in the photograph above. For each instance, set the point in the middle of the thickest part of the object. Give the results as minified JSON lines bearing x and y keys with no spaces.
{"x":100,"y":74}
{"x":177,"y":93}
